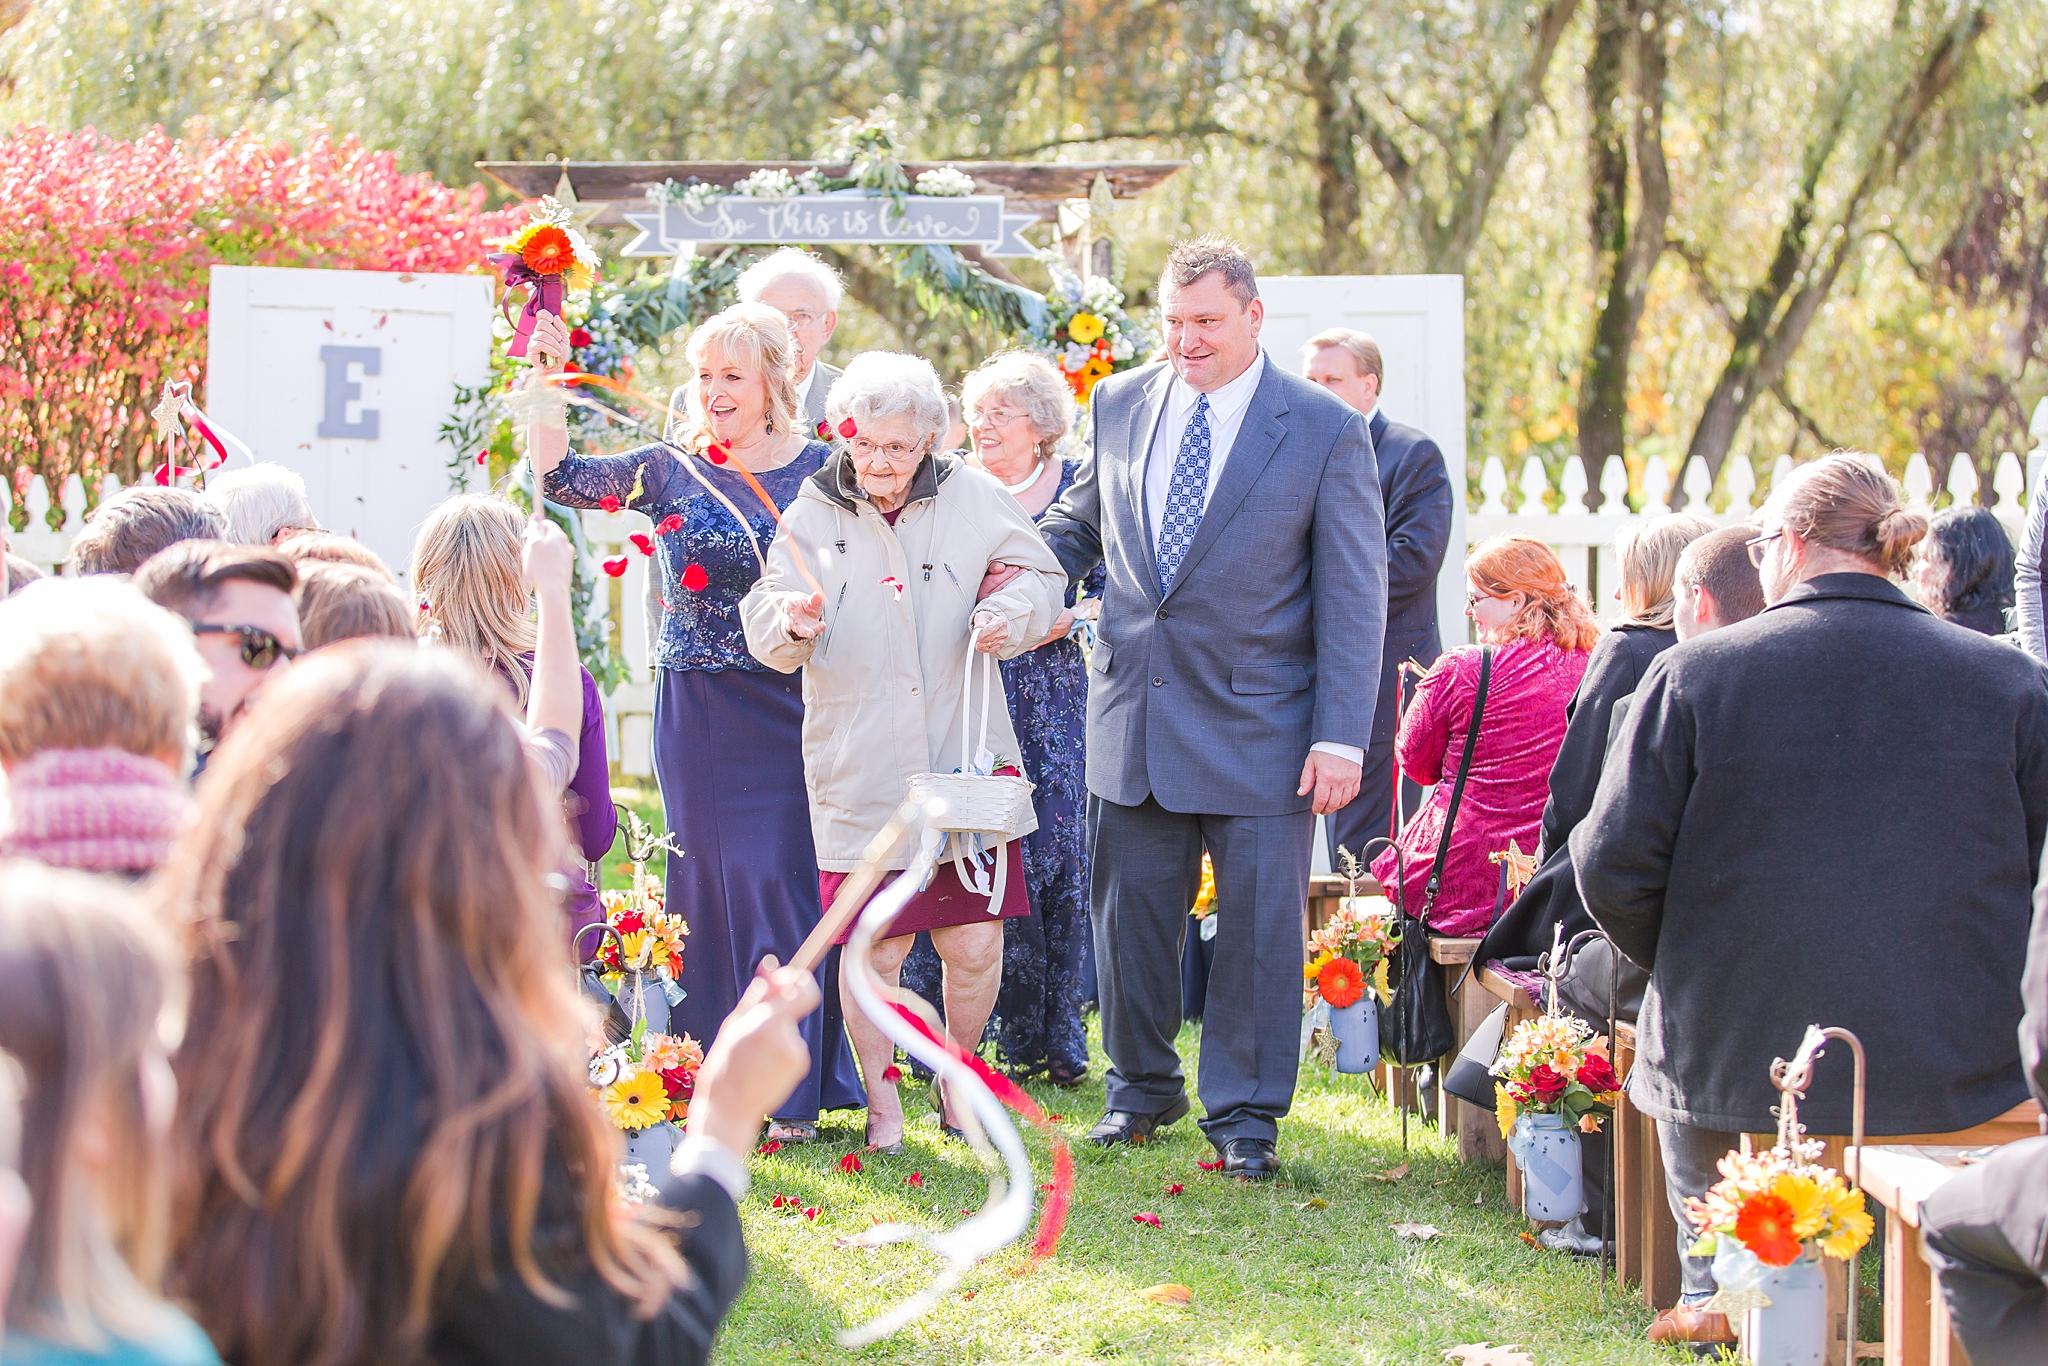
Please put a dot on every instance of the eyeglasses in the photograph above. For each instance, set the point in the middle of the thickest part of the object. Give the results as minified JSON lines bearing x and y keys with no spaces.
{"x":800,"y":319}
{"x":260,"y":649}
{"x":1756,"y":546}
{"x":992,"y":417}
{"x":895,"y":452}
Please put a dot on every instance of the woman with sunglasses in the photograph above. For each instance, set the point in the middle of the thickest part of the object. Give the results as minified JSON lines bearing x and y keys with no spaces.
{"x":873,"y":590}
{"x":728,"y":732}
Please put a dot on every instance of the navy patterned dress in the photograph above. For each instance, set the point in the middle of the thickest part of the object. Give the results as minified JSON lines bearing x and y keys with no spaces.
{"x":728,"y":749}
{"x":1037,"y":1019}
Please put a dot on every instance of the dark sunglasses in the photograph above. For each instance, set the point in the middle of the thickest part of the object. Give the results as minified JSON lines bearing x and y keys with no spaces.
{"x":260,"y":649}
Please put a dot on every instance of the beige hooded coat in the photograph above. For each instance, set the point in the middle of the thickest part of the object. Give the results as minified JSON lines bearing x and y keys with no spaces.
{"x":884,"y":682}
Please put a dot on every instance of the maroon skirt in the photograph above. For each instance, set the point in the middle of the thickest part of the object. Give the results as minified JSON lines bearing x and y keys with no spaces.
{"x":946,"y":902}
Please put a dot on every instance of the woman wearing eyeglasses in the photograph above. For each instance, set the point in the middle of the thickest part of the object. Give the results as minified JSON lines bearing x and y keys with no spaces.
{"x":1540,"y":632}
{"x":728,"y":733}
{"x":872,"y":590}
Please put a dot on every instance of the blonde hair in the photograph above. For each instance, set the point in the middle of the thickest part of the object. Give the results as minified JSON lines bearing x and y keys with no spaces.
{"x":1507,"y":565}
{"x":93,"y":664}
{"x":752,"y":337}
{"x":90,"y":986}
{"x":1847,"y":502}
{"x":1648,"y":554}
{"x":1358,"y":345}
{"x":466,"y":569}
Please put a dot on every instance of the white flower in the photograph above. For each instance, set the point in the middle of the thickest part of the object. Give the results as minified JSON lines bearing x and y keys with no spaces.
{"x":769,"y":182}
{"x":1075,"y":356}
{"x":945,"y":180}
{"x":810,"y":182}
{"x":1120,"y":348}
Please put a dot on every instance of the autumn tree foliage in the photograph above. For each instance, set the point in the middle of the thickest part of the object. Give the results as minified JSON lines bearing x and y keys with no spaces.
{"x":104,"y":253}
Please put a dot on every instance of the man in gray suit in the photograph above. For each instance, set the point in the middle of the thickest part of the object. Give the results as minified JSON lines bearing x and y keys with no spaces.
{"x":806,"y":291}
{"x":1237,"y":510}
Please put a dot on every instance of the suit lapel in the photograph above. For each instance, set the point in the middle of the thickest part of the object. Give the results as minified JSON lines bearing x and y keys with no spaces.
{"x":1258,"y":436}
{"x":1146,"y":415}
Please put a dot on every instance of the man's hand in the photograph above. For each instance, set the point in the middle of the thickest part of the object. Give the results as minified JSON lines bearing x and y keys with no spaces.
{"x":757,"y":1059}
{"x":806,"y":616}
{"x":994,"y":577}
{"x":1333,"y":780}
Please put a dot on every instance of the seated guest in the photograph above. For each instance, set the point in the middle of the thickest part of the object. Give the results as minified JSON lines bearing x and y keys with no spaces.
{"x":90,"y":997}
{"x":1521,"y":605}
{"x":325,"y":547}
{"x":1986,"y":1229}
{"x":99,"y":692}
{"x":1760,"y":845}
{"x":889,"y":506}
{"x":466,"y":569}
{"x":436,"y":1182}
{"x":263,"y":503}
{"x":1964,"y":572}
{"x":135,"y":523}
{"x":239,"y":601}
{"x":344,"y":602}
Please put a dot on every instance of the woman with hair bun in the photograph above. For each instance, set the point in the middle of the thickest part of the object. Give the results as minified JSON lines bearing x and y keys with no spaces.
{"x":1830,"y":812}
{"x":1540,"y":632}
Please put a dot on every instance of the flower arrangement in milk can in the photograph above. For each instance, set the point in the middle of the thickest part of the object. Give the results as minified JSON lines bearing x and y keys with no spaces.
{"x":1553,"y":1081}
{"x":1345,"y":982}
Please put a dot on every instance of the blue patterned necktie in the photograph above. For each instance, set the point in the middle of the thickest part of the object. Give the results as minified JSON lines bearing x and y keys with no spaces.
{"x":1185,"y":495}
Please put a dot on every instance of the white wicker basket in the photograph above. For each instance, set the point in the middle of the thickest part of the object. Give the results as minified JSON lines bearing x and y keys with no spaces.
{"x":982,"y":809}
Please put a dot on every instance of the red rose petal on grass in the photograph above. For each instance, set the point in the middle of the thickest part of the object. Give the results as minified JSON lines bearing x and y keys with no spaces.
{"x":615,"y":566}
{"x":914,"y":1179}
{"x":1055,"y":1118}
{"x":968,"y":1294}
{"x":669,"y":524}
{"x":1149,"y":1219}
{"x":608,"y":503}
{"x":773,"y":1145}
{"x":717,"y":454}
{"x":1175,"y":1189}
{"x":892,"y":1074}
{"x":695,"y":579}
{"x":578,"y":337}
{"x":811,"y":1213}
{"x":1215,"y":1166}
{"x":849,"y":1163}
{"x":641,"y":543}
{"x":846,"y":427}
{"x":779,"y":1201}
{"x":1046,"y":1187}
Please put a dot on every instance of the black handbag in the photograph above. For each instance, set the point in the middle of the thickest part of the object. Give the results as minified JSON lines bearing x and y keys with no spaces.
{"x":1416,"y":1027}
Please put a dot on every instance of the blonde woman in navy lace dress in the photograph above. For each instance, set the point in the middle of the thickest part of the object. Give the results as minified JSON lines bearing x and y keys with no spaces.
{"x":728,"y":733}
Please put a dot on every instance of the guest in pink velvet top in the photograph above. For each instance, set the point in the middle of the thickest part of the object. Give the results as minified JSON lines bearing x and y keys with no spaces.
{"x":1541,"y":633}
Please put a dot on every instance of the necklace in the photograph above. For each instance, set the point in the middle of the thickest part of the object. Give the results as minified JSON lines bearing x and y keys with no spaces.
{"x":1036,"y":470}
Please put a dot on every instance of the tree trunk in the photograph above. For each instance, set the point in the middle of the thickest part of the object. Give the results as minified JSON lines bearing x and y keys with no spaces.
{"x":1326,"y":70}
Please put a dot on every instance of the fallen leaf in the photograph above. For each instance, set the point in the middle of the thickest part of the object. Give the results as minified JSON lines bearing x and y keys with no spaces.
{"x":1479,"y":1199}
{"x":1314,"y":1202}
{"x":1421,"y":1233}
{"x":1147,"y":1218}
{"x":1527,"y":1237}
{"x":1484,"y":1354}
{"x":1177,"y":1295}
{"x":1390,"y":1174}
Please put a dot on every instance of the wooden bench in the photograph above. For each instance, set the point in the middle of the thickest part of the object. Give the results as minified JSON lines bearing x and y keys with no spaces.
{"x":1325,"y":890}
{"x":1645,"y":1233}
{"x":1916,"y":1326}
{"x":1496,"y":989}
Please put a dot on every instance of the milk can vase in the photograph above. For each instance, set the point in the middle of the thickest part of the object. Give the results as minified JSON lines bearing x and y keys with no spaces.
{"x":651,"y":1148}
{"x":1357,"y":1031}
{"x":1793,"y":1329}
{"x":1547,"y":1151}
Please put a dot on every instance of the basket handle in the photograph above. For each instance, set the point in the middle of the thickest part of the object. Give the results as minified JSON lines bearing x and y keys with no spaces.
{"x":966,"y":711}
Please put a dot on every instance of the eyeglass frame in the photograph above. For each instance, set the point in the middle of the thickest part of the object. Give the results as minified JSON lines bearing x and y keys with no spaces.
{"x":1755,"y":546}
{"x":982,"y":417}
{"x":250,"y":646}
{"x":903,"y":452}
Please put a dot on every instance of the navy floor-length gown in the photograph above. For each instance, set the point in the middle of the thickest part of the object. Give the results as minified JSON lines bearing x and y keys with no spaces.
{"x":728,"y":750}
{"x":1037,"y":1020}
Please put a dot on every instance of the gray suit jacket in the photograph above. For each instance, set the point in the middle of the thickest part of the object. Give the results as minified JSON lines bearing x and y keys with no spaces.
{"x":1209,"y":696}
{"x":821,"y":389}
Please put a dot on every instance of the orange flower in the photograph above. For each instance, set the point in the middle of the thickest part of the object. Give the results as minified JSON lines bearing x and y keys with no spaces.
{"x":1764,"y":1226}
{"x":1341,"y":982}
{"x":548,"y":251}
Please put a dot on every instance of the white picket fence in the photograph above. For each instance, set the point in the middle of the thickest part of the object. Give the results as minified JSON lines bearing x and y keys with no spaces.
{"x":1554,"y":512}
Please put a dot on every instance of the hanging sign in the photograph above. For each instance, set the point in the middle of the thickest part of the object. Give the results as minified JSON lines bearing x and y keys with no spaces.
{"x":833,"y":219}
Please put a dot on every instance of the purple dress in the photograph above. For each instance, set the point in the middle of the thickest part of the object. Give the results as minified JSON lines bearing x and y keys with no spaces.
{"x":728,"y":750}
{"x":593,"y":820}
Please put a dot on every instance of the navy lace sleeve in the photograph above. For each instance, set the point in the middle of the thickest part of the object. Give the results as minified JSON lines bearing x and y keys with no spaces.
{"x":585,"y":481}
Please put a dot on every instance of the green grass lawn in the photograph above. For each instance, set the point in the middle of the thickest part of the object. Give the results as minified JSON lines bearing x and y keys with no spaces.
{"x":1276,"y":1276}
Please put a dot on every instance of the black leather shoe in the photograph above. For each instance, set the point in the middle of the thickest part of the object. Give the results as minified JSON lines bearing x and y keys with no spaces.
{"x":1125,"y":1126}
{"x":1249,"y":1158}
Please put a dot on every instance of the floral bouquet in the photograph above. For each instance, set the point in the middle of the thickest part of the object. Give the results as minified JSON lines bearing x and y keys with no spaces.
{"x":551,"y":259}
{"x":649,"y":941}
{"x":1778,"y":1206}
{"x":1348,"y":953}
{"x":1086,"y":331}
{"x":646,"y":1080}
{"x":1554,"y":1064}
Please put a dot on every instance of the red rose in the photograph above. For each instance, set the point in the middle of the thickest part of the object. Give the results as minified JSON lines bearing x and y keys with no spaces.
{"x":680,"y":1082}
{"x":695,"y":579}
{"x":670,"y":524}
{"x":578,"y":337}
{"x":1545,"y":1085}
{"x":824,"y":430}
{"x":1597,"y":1074}
{"x":631,"y":922}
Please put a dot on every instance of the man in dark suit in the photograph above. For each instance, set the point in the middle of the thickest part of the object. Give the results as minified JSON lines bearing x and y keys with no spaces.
{"x":1231,"y":688}
{"x":1416,"y":489}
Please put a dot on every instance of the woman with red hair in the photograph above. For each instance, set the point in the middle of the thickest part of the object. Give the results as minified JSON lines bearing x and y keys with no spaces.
{"x":1540,"y":632}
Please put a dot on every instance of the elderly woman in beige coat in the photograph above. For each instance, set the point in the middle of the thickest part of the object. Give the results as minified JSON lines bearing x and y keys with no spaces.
{"x":900,"y":537}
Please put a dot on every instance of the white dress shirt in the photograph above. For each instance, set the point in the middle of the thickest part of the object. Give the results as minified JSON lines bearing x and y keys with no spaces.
{"x":1227,"y":407}
{"x":803,"y":390}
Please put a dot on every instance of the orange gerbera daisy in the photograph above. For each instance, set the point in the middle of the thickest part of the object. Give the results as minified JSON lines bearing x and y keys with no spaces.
{"x":548,"y":251}
{"x":1341,"y":981}
{"x":1764,"y":1226}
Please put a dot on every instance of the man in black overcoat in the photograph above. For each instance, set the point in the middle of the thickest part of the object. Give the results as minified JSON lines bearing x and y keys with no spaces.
{"x":1830,"y":814}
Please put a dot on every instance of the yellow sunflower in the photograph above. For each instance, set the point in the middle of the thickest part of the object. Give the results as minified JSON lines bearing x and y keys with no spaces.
{"x":1379,"y":983}
{"x":1084,"y":328}
{"x":1852,"y":1223}
{"x":636,"y":1102}
{"x":1504,"y":1109}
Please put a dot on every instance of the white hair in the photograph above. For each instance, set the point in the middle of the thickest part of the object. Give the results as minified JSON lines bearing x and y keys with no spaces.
{"x":780,"y":265}
{"x":261,"y":501}
{"x":885,"y":384}
{"x":1033,"y":382}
